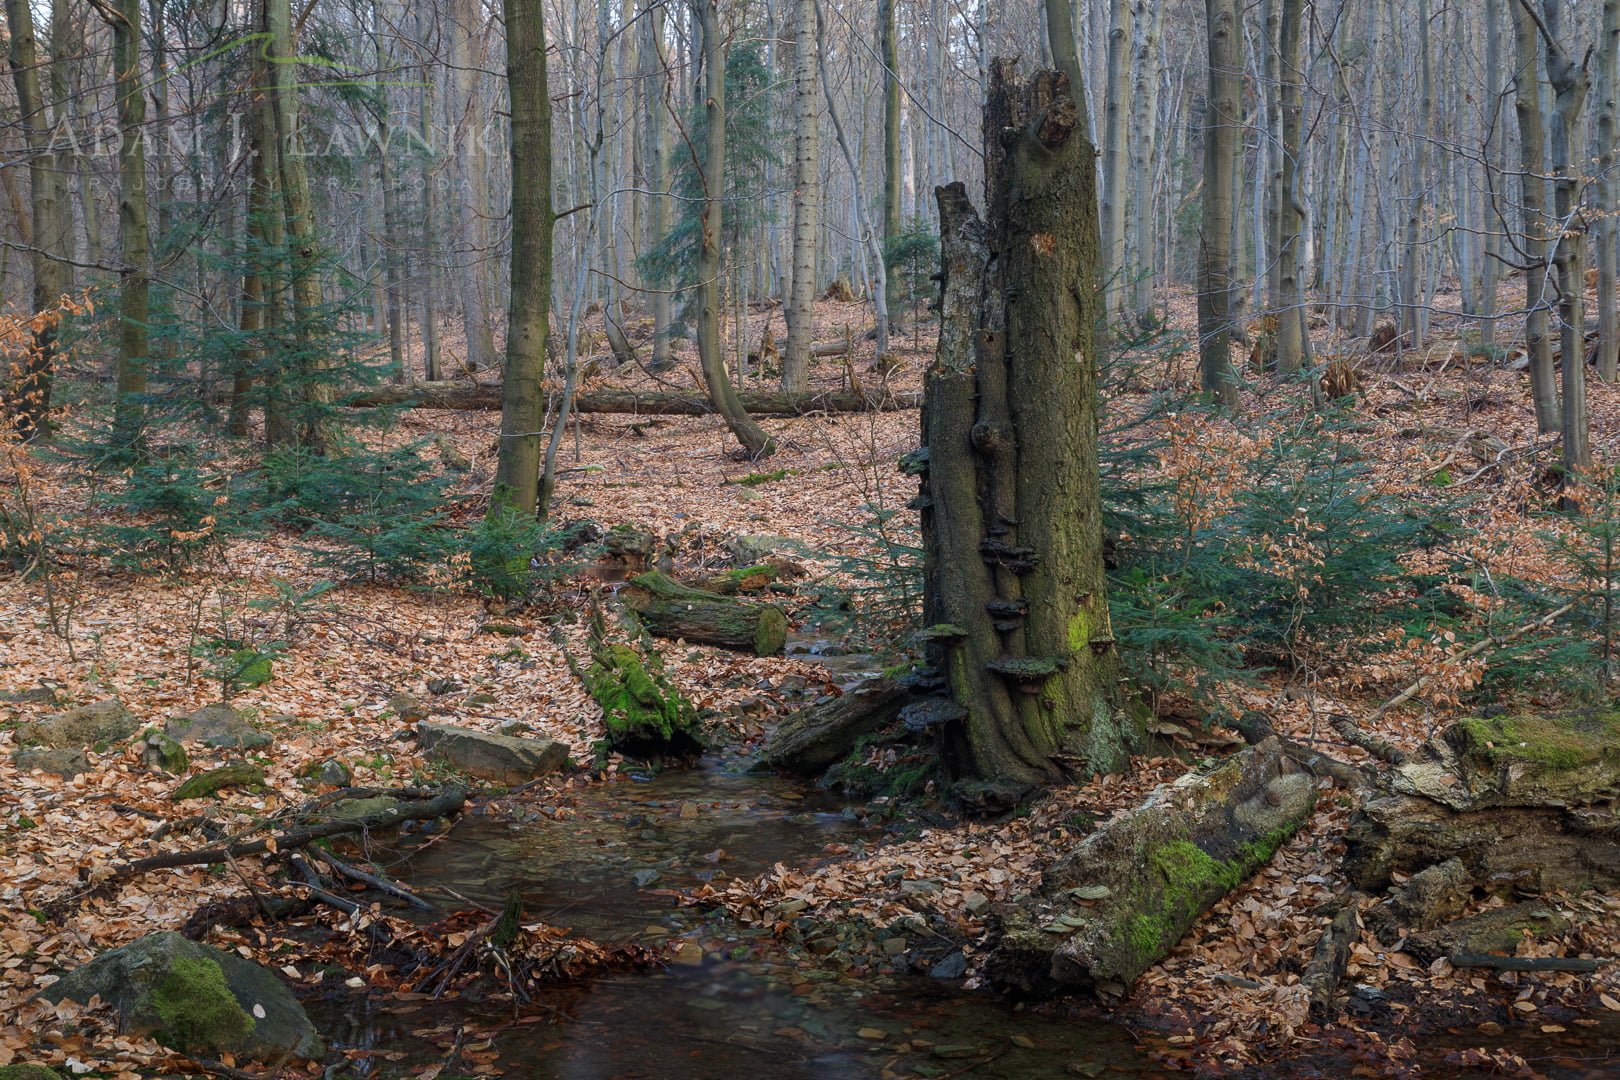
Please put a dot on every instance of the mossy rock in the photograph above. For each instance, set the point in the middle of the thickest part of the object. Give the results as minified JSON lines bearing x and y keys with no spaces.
{"x":645,"y":716}
{"x":163,"y":753}
{"x":212,"y":782}
{"x":1519,"y":760}
{"x":219,"y":726}
{"x":100,"y":723}
{"x":195,"y":999}
{"x":28,"y":1072}
{"x":59,"y":762}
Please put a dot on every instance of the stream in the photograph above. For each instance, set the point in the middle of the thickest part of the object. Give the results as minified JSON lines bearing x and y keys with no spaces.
{"x":735,"y":1003}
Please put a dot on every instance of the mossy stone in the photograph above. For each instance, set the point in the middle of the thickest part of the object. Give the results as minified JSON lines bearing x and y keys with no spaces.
{"x":164,"y":753}
{"x":197,"y":1009}
{"x":28,"y":1072}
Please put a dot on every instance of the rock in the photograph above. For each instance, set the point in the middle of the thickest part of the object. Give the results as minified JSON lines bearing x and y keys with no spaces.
{"x":238,"y":774}
{"x":894,"y":946}
{"x":100,"y":723}
{"x":953,"y":966}
{"x":688,"y":954}
{"x":975,"y":903}
{"x":195,"y":999}
{"x":218,"y":726}
{"x":59,"y":762}
{"x":329,"y":772}
{"x":28,"y":1072}
{"x":408,"y":707}
{"x":497,"y":758}
{"x":43,"y":694}
{"x":162,"y":753}
{"x":913,"y":887}
{"x":1121,"y":899}
{"x":753,"y":549}
{"x":645,"y":877}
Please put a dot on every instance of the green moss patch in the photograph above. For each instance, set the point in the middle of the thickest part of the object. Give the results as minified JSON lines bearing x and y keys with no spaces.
{"x":197,"y":1009}
{"x":644,"y":714}
{"x":1558,"y":742}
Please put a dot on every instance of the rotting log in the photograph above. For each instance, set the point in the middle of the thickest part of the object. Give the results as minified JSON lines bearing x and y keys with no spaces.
{"x":669,"y":609}
{"x":472,"y":396}
{"x":1122,"y":899}
{"x":813,"y":739}
{"x":644,"y":715}
{"x":1526,"y":803}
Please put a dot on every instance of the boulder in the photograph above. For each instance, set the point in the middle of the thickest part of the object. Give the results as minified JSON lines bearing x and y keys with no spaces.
{"x":212,"y":782}
{"x":28,"y":1072}
{"x":500,"y":759}
{"x":100,"y":723}
{"x":60,"y":762}
{"x":408,"y":707}
{"x":195,"y":999}
{"x":218,"y":726}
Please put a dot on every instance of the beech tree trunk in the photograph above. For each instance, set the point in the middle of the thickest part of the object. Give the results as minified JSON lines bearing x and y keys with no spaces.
{"x":1292,"y":340}
{"x":517,"y":468}
{"x":1223,"y":128}
{"x":134,"y":278}
{"x":806,"y":200}
{"x":28,"y":387}
{"x":755,"y":443}
{"x":1608,"y":230}
{"x":1116,"y":112}
{"x":1011,"y":515}
{"x":1533,"y":198}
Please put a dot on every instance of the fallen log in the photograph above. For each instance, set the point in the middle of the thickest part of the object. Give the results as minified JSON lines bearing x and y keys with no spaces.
{"x":813,"y":739}
{"x":465,"y":396}
{"x":669,"y":609}
{"x":1119,"y":902}
{"x":1525,"y":803}
{"x":1330,"y":957}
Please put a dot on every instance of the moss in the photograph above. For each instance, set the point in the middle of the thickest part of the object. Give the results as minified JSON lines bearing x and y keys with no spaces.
{"x":758,"y":478}
{"x":197,"y":1009}
{"x":241,"y":774}
{"x":1079,"y":630}
{"x":1556,"y":742}
{"x":28,"y":1072}
{"x":642,"y":711}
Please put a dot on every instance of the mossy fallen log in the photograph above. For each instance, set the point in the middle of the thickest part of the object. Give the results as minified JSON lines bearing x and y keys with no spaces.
{"x":644,"y":715}
{"x":812,"y":740}
{"x":464,"y":396}
{"x":669,"y":609}
{"x":1120,"y":901}
{"x":1525,"y":803}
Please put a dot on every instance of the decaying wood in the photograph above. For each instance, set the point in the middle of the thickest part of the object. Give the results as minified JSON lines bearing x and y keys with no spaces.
{"x":813,"y":739}
{"x":473,"y":396}
{"x":669,"y":609}
{"x":1120,"y":901}
{"x":1331,"y":955}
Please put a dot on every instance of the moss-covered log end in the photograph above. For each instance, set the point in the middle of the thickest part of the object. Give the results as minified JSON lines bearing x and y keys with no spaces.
{"x":645,"y":716}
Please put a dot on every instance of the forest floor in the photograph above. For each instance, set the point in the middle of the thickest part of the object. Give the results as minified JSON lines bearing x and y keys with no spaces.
{"x":1227,"y":997}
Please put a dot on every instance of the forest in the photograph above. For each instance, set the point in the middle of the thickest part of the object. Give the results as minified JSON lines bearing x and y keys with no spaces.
{"x":777,"y":538}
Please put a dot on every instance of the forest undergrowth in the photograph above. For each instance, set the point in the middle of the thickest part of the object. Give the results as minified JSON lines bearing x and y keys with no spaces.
{"x":1304,"y":560}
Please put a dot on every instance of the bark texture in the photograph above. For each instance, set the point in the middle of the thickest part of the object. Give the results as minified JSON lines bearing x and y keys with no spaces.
{"x":1223,"y":128}
{"x":1119,"y":902}
{"x":812,"y":740}
{"x":1011,"y":517}
{"x":458,"y":395}
{"x":672,"y":610}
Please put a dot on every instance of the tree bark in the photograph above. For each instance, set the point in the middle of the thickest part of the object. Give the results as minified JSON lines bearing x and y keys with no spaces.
{"x":1608,"y":193}
{"x":134,"y":278}
{"x":473,"y":396}
{"x":1533,"y":198}
{"x":517,"y":469}
{"x":1147,"y":22}
{"x":28,"y":386}
{"x":889,"y":52}
{"x":1223,"y":126}
{"x":806,"y":200}
{"x":672,"y":610}
{"x":1012,"y":530}
{"x":1116,"y":113}
{"x":1292,"y":339}
{"x":755,"y":443}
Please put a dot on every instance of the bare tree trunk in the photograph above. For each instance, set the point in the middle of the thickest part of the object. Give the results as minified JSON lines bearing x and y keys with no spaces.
{"x":1292,"y":340}
{"x":806,"y":200}
{"x":1012,"y":528}
{"x":1608,"y":191}
{"x":1570,"y":81}
{"x":431,"y":250}
{"x":660,"y":88}
{"x":711,"y":357}
{"x":134,"y":277}
{"x":1116,"y":114}
{"x":1414,"y":310}
{"x":472,"y":208}
{"x":517,"y":467}
{"x":314,"y":390}
{"x":889,"y":51}
{"x":1490,"y":231}
{"x":1223,"y":127}
{"x":1147,"y":21}
{"x":28,"y":389}
{"x":1533,"y":198}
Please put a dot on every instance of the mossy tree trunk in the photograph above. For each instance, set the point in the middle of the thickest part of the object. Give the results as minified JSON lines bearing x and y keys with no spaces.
{"x":672,"y":610}
{"x":1012,"y":524}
